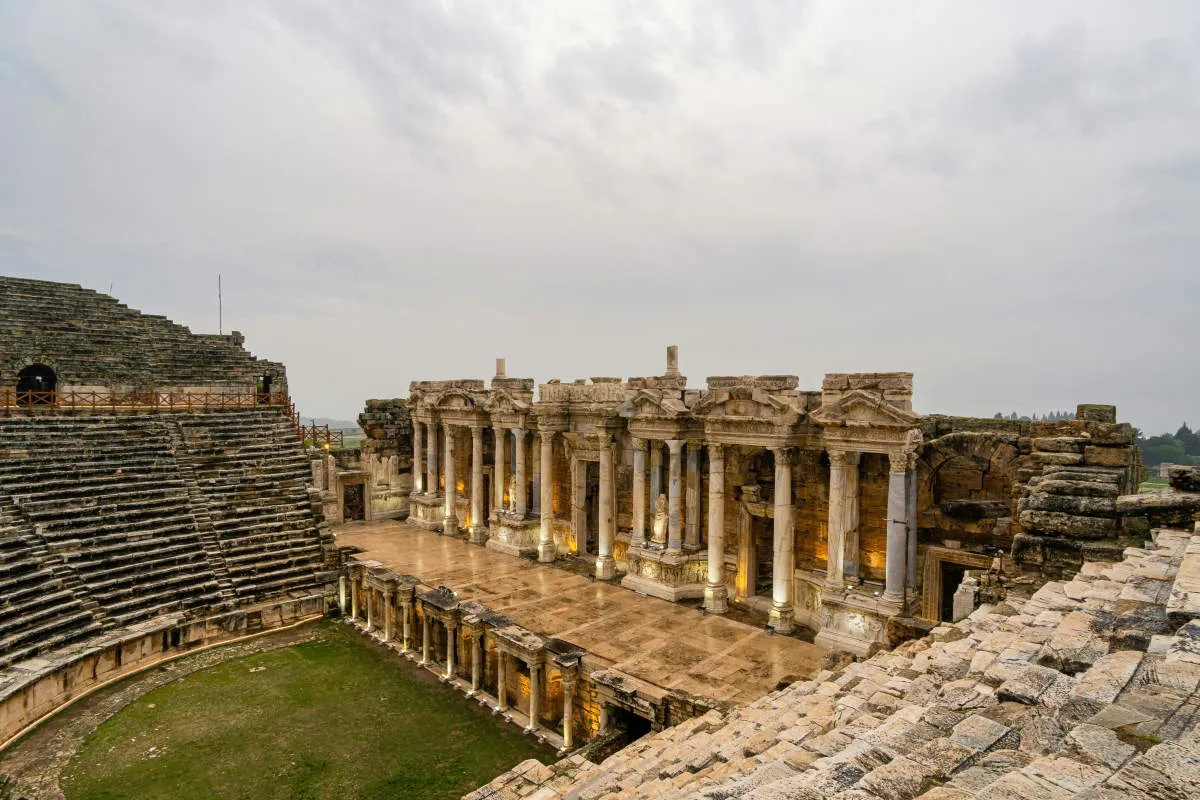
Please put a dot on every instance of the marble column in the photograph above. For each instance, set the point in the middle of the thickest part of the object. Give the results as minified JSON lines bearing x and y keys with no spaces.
{"x":568,"y":721}
{"x":782,"y":611}
{"x":431,"y":459}
{"x":500,"y":468}
{"x":605,"y":566}
{"x":343,"y":593}
{"x":716,"y":594}
{"x":450,"y":522}
{"x":897,"y":528}
{"x":656,"y":487}
{"x":451,"y":643}
{"x":546,"y":521}
{"x":418,"y":467}
{"x":835,"y":536}
{"x":369,"y":601}
{"x":535,"y":492}
{"x":389,"y":616}
{"x":424,"y":639}
{"x":691,"y":531}
{"x":406,"y":622}
{"x":478,"y":529}
{"x":850,"y":508}
{"x":535,"y":695}
{"x":520,"y":489}
{"x":353,"y":600}
{"x":501,"y":677}
{"x":476,"y":662}
{"x":674,"y":496}
{"x":911,"y":477}
{"x":638,"y":537}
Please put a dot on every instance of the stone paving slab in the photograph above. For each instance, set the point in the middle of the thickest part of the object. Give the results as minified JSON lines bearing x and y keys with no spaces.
{"x":668,"y":645}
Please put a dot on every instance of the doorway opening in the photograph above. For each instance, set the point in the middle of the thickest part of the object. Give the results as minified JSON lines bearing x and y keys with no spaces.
{"x":762,"y":529}
{"x":952,"y":577}
{"x":36,"y":385}
{"x":591,"y":505}
{"x":353,"y":504}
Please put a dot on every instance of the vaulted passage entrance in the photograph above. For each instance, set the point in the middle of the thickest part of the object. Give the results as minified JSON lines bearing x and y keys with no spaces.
{"x":36,"y":385}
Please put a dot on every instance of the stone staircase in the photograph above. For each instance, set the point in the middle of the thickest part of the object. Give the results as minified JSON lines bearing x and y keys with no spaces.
{"x":1087,"y":689}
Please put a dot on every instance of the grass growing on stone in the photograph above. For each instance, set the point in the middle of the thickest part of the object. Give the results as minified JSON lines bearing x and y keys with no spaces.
{"x":330,"y":718}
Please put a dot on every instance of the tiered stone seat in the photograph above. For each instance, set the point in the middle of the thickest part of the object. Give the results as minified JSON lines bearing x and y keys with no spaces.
{"x":38,"y":612}
{"x":106,"y":497}
{"x":254,"y":480}
{"x":1085,"y":690}
{"x":93,"y":329}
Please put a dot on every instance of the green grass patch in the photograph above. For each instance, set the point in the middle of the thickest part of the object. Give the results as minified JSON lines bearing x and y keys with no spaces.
{"x":331,"y":718}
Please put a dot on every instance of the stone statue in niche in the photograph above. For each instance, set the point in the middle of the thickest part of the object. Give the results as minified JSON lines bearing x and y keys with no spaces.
{"x":659,"y":535}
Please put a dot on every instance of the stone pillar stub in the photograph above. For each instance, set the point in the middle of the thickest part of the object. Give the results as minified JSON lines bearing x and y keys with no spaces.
{"x":478,"y":529}
{"x":691,"y":533}
{"x":500,"y":468}
{"x":450,"y":522}
{"x":520,"y":489}
{"x":897,"y":529}
{"x":418,"y":468}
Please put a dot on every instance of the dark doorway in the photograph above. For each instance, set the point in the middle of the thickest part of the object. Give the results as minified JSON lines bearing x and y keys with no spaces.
{"x":264,"y":390}
{"x":633,"y":726}
{"x":952,"y":577}
{"x":763,"y":531}
{"x":353,"y":506}
{"x":591,"y":502}
{"x":36,"y":385}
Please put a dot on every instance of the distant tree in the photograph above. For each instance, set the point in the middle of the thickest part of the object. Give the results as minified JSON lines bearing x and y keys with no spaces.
{"x":1013,"y":415}
{"x":1164,"y":449}
{"x":1189,"y":439}
{"x":999,"y":415}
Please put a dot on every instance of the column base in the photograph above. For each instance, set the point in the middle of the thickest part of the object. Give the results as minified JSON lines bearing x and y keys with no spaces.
{"x":716,"y":598}
{"x":478,"y":534}
{"x":606,"y":568}
{"x":546,"y":552}
{"x":450,"y":526}
{"x":781,"y":618}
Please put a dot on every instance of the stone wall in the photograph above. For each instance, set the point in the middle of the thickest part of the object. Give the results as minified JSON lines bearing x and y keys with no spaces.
{"x":94,"y":343}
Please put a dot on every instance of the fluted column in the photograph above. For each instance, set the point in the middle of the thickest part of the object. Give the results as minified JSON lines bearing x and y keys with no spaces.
{"x":424,"y":639}
{"x":835,"y":537}
{"x":675,"y":496}
{"x":451,"y":643}
{"x":535,"y":695}
{"x":520,"y":489}
{"x":897,"y":528}
{"x":478,"y":530}
{"x":569,"y":681}
{"x":638,"y":536}
{"x":715,"y":592}
{"x":476,"y":662}
{"x":450,"y":523}
{"x":500,"y":468}
{"x":911,"y":477}
{"x":418,"y":467}
{"x":782,"y":611}
{"x":406,"y":622}
{"x":691,"y":527}
{"x":431,"y":459}
{"x":605,"y":566}
{"x":501,"y":678}
{"x":546,"y":521}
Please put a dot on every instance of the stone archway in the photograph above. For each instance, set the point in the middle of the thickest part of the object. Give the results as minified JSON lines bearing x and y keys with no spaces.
{"x":966,"y":486}
{"x":36,"y":386}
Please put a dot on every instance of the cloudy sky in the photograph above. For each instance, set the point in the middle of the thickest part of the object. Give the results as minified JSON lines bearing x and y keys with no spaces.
{"x":1002,"y":197}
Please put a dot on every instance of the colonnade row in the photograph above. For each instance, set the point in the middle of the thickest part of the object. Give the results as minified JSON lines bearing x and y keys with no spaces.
{"x":376,"y":606}
{"x":681,"y":531}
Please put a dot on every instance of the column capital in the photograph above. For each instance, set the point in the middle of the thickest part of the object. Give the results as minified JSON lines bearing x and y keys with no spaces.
{"x":784,"y":455}
{"x":695,"y":444}
{"x":715,"y":450}
{"x":519,"y":432}
{"x":547,"y":434}
{"x":675,"y":446}
{"x":837,"y":458}
{"x":898,"y":461}
{"x":638,"y":443}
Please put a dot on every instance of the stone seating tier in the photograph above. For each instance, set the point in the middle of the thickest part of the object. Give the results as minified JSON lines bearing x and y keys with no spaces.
{"x":1087,"y":689}
{"x":106,"y":521}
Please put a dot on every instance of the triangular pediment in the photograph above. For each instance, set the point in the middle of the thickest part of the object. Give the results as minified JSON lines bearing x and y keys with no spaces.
{"x":862,"y":409}
{"x":748,"y":403}
{"x":503,"y":402}
{"x":646,"y":403}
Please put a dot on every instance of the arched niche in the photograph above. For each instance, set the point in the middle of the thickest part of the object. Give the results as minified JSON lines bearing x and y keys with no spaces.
{"x":36,"y":385}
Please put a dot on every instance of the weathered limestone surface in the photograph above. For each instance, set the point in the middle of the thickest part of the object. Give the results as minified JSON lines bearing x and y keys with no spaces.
{"x":1027,"y":699}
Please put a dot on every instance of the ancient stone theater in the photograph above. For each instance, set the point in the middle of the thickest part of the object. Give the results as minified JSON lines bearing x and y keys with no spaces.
{"x":731,"y":588}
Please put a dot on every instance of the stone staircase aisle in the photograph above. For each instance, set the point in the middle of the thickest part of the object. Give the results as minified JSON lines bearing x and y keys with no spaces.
{"x":1088,"y":689}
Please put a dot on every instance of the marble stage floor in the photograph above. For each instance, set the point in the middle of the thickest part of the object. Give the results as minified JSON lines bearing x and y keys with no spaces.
{"x":668,"y":645}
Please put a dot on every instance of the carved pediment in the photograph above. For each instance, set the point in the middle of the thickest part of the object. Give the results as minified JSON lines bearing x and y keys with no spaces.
{"x":646,"y":403}
{"x":748,"y":403}
{"x":862,"y":409}
{"x":452,"y":399}
{"x":503,"y":402}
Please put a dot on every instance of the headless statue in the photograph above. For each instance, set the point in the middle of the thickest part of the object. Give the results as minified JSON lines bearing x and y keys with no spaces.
{"x":659,"y":536}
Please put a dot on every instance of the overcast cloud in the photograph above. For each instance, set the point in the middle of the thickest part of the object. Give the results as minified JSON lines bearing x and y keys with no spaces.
{"x":1002,"y":197}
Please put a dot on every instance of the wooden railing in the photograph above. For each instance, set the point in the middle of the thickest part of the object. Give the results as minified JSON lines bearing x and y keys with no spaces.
{"x":321,"y":436}
{"x":142,"y":400}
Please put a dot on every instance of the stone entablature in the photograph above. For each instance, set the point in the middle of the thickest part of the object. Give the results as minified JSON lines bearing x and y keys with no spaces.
{"x":807,"y":505}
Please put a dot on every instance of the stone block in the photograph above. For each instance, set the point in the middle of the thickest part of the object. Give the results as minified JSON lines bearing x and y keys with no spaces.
{"x":1076,"y":505}
{"x":1067,"y":525}
{"x":1096,"y":412}
{"x":1107,"y":456}
{"x":1184,"y":479}
{"x":1060,"y":444}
